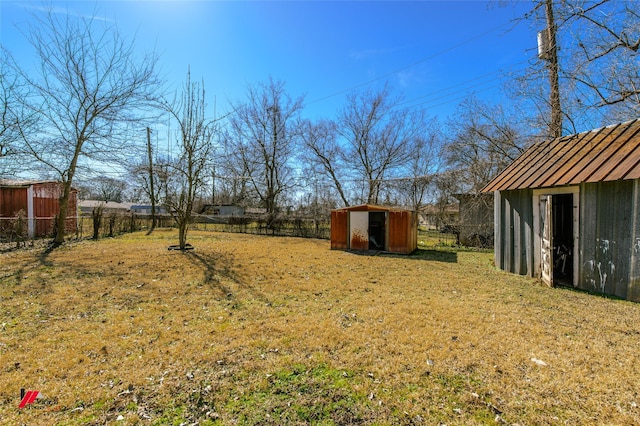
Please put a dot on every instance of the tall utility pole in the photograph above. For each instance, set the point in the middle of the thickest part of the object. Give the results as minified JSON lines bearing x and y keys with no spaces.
{"x":213,"y":185}
{"x":550,"y":54}
{"x":151,"y":188}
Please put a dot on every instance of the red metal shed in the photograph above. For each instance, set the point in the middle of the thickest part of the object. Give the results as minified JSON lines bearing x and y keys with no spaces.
{"x":38,"y":202}
{"x":369,"y":227}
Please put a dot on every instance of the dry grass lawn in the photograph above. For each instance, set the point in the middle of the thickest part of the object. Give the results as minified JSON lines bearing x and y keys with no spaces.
{"x":262,"y":330}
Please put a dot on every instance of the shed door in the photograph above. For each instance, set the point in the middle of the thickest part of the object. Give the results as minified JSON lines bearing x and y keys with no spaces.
{"x":359,"y":230}
{"x":399,"y":227}
{"x":546,"y":243}
{"x":377,"y":230}
{"x":339,"y":230}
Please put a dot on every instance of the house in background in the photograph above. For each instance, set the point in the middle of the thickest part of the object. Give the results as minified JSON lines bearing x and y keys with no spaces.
{"x":255,"y":211}
{"x":436,"y":216}
{"x":568,"y":211}
{"x":38,"y":202}
{"x":108,"y":207}
{"x":222,"y":210}
{"x":145,"y":209}
{"x":369,"y":227}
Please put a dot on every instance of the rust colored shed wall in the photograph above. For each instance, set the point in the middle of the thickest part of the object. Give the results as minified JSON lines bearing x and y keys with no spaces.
{"x":398,"y":236}
{"x":12,"y":200}
{"x":401,"y":229}
{"x":46,"y":207}
{"x":339,"y":230}
{"x":45,"y":197}
{"x":403,"y":232}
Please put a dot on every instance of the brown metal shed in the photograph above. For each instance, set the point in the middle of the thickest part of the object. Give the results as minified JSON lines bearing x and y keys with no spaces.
{"x":369,"y":227}
{"x":38,"y":201}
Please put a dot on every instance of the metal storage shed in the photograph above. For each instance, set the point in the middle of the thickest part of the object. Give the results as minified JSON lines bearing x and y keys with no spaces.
{"x":38,"y":201}
{"x":369,"y":227}
{"x":568,"y":211}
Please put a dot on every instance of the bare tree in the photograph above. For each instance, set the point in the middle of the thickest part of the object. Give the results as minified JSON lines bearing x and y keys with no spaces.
{"x":324,"y":155}
{"x":147,"y":180}
{"x":13,"y":117}
{"x":102,"y":188}
{"x":605,"y":62}
{"x":187,"y":171}
{"x":421,"y":168}
{"x":483,"y":140}
{"x":110,"y":189}
{"x":89,"y":86}
{"x":262,"y":142}
{"x":150,"y":180}
{"x":378,"y":138}
{"x":597,"y":70}
{"x":231,"y":184}
{"x":446,"y":184}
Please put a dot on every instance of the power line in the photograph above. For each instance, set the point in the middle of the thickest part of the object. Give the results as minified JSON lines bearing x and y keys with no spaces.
{"x":424,"y":59}
{"x":495,"y":75}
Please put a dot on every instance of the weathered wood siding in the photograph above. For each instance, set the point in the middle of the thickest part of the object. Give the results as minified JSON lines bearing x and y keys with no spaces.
{"x":633,"y":290}
{"x":609,"y":237}
{"x":608,"y":223}
{"x":513,"y":231}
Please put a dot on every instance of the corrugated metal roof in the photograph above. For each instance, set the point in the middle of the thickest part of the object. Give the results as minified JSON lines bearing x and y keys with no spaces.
{"x":23,"y":182}
{"x":605,"y":154}
{"x":90,"y":204}
{"x":370,"y":208}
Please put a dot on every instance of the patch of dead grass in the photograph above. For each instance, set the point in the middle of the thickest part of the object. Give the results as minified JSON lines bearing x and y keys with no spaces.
{"x":249,"y":329}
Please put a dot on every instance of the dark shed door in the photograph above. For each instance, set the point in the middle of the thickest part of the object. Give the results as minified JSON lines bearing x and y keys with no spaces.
{"x":376,"y":230}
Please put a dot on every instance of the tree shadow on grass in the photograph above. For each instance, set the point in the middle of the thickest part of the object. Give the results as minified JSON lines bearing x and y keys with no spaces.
{"x":44,"y":255}
{"x":434,"y":255}
{"x":219,"y":268}
{"x":418,"y":254}
{"x":41,"y":257}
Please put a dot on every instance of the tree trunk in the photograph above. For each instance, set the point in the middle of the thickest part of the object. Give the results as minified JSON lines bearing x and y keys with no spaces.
{"x":182,"y":234}
{"x":96,"y":215}
{"x":152,"y":191}
{"x":61,"y":218}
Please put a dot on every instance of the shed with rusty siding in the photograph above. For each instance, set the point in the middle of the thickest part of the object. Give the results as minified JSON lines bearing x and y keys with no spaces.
{"x":369,"y":227}
{"x":38,"y":203}
{"x":568,"y":211}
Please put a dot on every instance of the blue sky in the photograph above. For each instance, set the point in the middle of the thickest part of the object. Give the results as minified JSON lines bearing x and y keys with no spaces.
{"x":432,"y":53}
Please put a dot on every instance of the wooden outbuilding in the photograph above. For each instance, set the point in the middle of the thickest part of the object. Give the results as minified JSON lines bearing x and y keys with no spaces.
{"x":568,"y":211}
{"x":369,"y":227}
{"x":38,"y":203}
